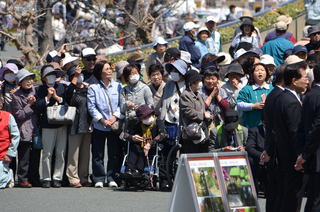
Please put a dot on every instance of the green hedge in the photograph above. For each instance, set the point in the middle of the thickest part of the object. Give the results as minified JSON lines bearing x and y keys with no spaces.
{"x":266,"y":20}
{"x":262,"y":22}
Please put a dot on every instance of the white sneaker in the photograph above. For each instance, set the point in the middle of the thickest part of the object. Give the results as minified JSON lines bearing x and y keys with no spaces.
{"x":113,"y":184}
{"x":98,"y":185}
{"x":11,"y":182}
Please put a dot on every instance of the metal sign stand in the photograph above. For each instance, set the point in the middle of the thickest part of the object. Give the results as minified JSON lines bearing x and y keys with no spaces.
{"x":219,"y":182}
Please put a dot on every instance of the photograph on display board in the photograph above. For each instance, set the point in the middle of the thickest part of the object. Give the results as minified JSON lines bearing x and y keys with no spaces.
{"x":237,"y":180}
{"x":206,"y":185}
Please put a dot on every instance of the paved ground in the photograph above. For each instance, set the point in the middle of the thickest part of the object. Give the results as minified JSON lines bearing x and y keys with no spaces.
{"x":81,"y":200}
{"x":85,"y":199}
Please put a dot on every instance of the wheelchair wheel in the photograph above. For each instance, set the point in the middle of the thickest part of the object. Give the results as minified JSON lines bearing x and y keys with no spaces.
{"x":172,"y":163}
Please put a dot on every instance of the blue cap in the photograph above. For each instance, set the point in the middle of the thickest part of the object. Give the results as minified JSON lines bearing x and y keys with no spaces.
{"x":180,"y":65}
{"x":298,"y":49}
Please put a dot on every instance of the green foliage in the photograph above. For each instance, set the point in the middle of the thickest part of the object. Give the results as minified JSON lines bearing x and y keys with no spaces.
{"x":266,"y":20}
{"x":262,"y":22}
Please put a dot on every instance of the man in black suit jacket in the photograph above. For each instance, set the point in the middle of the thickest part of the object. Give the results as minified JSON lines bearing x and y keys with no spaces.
{"x":269,"y":147}
{"x":254,"y":147}
{"x":287,"y":117}
{"x":311,"y":153}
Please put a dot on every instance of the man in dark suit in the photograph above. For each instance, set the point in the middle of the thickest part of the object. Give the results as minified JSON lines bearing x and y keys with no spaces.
{"x":287,"y":117}
{"x":254,"y":147}
{"x":269,"y":147}
{"x":311,"y":153}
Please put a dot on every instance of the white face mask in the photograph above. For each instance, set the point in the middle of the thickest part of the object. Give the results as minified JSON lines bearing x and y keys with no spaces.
{"x":80,"y":78}
{"x":148,"y":121}
{"x":10,"y":77}
{"x":174,"y":76}
{"x":51,"y":79}
{"x":134,"y":79}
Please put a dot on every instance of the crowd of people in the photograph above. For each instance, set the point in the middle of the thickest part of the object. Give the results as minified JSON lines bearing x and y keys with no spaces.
{"x":261,"y":97}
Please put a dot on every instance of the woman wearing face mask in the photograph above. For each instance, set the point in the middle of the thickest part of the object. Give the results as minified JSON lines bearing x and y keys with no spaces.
{"x":54,"y":136}
{"x":104,"y":108}
{"x":215,"y":98}
{"x":79,"y":137}
{"x":136,"y":93}
{"x":9,"y":86}
{"x":141,"y":136}
{"x":169,"y":114}
{"x":252,"y":97}
{"x":192,"y":110}
{"x":23,"y":110}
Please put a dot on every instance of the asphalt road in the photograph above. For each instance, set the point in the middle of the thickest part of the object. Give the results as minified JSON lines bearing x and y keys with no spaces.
{"x":81,"y":200}
{"x":85,"y":200}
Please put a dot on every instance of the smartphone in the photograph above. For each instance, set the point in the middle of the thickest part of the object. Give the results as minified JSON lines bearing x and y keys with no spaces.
{"x":69,"y":48}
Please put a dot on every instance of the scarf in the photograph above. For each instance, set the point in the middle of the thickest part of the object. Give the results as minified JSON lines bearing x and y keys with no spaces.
{"x":146,"y":133}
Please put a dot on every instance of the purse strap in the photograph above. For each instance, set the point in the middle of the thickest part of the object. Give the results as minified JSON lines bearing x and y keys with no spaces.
{"x":109,"y":100}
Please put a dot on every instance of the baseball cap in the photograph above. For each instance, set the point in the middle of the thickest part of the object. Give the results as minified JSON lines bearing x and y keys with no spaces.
{"x":212,"y":18}
{"x":160,"y":41}
{"x":86,"y":52}
{"x":189,"y":26}
{"x":299,"y":48}
{"x":280,"y":25}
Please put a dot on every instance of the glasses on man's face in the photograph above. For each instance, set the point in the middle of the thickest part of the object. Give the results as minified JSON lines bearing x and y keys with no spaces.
{"x":91,"y":59}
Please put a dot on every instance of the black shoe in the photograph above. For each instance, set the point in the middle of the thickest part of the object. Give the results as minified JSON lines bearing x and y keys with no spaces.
{"x":56,"y":184}
{"x":46,"y":184}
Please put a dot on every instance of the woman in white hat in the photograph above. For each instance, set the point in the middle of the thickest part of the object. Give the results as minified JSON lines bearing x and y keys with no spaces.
{"x":201,"y":43}
{"x":160,"y":47}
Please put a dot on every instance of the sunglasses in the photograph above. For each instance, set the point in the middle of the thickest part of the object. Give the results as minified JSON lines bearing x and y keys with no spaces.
{"x":91,"y":59}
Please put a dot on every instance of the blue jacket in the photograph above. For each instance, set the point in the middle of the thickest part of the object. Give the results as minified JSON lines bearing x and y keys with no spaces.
{"x":187,"y":44}
{"x":276,"y":49}
{"x":202,"y":46}
{"x":98,"y":102}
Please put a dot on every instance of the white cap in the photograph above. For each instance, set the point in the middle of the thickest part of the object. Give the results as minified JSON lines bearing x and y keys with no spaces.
{"x":53,"y":53}
{"x":185,"y":56}
{"x":212,"y":18}
{"x":68,"y":59}
{"x":160,"y":41}
{"x":88,"y":52}
{"x":227,"y":58}
{"x":204,"y":29}
{"x":189,"y":26}
{"x":267,"y":60}
{"x":239,"y":53}
{"x":293,"y":59}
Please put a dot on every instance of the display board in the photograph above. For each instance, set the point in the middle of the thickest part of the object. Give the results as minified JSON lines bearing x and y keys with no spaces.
{"x":219,"y":182}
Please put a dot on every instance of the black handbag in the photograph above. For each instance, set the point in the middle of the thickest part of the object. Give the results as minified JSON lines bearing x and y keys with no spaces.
{"x":192,"y":132}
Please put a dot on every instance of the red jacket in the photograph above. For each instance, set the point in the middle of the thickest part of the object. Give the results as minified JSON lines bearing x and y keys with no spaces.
{"x":5,"y":139}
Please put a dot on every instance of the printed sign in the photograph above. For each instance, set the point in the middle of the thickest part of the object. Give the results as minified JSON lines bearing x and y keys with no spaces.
{"x":206,"y":184}
{"x":214,"y":182}
{"x":238,"y":183}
